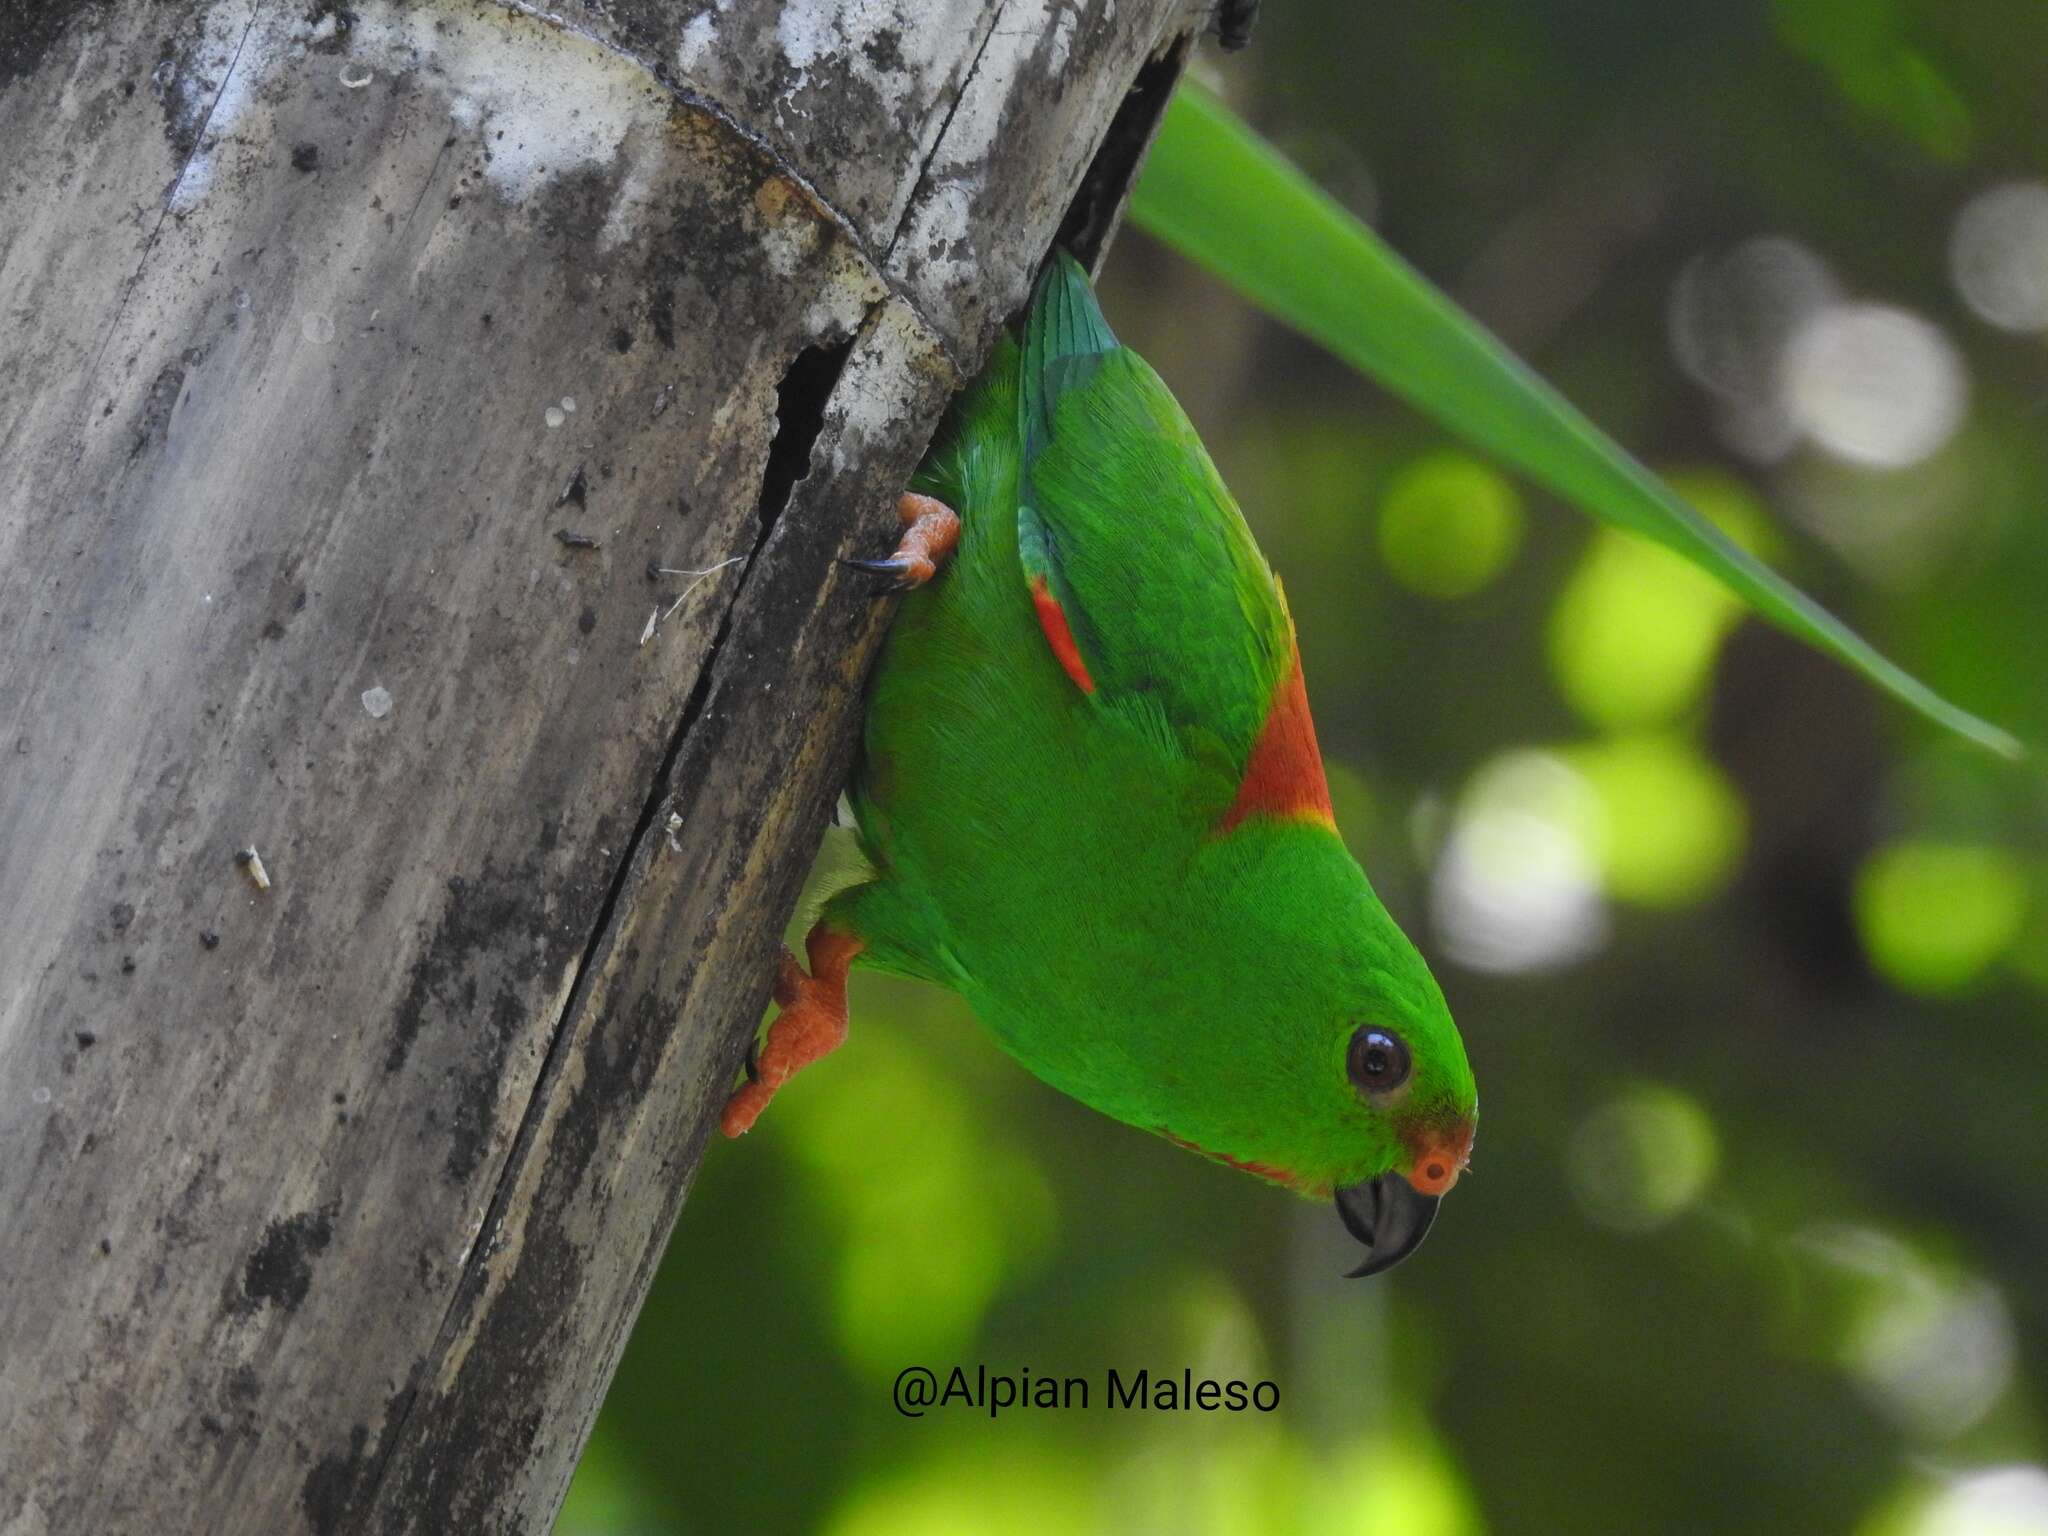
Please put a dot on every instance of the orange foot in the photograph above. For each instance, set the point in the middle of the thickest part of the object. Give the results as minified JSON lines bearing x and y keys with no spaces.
{"x":812,"y":1022}
{"x":931,"y":529}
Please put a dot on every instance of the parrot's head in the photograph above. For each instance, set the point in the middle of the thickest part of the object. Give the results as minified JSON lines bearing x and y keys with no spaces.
{"x":1345,"y":1077}
{"x":1407,"y":1106}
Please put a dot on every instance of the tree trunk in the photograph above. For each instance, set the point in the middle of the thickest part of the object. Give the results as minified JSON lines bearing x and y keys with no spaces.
{"x":372,"y":372}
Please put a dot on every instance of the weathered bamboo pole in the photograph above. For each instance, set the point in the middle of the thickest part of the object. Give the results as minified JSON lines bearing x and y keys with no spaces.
{"x":375,"y":374}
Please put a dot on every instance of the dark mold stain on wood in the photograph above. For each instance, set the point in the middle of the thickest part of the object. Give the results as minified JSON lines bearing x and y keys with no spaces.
{"x":185,"y":97}
{"x":28,"y":28}
{"x":476,"y":1092}
{"x":885,"y":50}
{"x":232,"y":1414}
{"x":480,"y":915}
{"x":165,"y":390}
{"x":344,"y":23}
{"x":496,"y":941}
{"x":158,"y":405}
{"x":342,"y":1482}
{"x":329,"y":1492}
{"x":280,"y":1271}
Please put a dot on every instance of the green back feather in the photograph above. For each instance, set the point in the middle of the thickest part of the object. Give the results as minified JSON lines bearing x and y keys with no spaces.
{"x":1123,"y":515}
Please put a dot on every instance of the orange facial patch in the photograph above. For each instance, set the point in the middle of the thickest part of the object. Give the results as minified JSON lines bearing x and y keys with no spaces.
{"x":1284,"y":775}
{"x":1052,"y":618}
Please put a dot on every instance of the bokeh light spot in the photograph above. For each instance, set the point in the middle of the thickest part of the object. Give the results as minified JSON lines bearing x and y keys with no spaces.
{"x":2001,"y":1501}
{"x":1671,"y":827}
{"x":1998,"y":255}
{"x":1731,"y":314}
{"x":1933,"y":916}
{"x":1874,"y":385}
{"x":1636,"y":628}
{"x":1930,"y":1345}
{"x":1449,"y":525}
{"x":1390,"y":1483}
{"x":1516,"y":887}
{"x":1643,"y":1158}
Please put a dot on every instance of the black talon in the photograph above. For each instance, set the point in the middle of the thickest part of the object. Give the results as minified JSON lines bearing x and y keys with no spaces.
{"x":896,"y":568}
{"x":753,"y":1062}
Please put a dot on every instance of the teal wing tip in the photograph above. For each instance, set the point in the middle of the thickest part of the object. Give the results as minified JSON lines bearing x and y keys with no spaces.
{"x":1065,"y":319}
{"x":1065,"y":326}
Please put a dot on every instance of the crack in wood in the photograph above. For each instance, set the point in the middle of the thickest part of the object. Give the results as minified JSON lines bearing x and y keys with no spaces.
{"x":803,"y":393}
{"x":923,"y":181}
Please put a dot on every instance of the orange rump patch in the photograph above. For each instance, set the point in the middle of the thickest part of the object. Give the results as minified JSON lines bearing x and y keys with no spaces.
{"x":1284,"y":775}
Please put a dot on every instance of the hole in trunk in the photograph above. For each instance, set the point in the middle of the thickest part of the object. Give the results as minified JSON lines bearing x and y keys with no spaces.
{"x":800,"y":397}
{"x":1097,"y":205}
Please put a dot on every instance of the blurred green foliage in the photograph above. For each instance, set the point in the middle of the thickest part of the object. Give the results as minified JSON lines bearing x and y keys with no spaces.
{"x":1449,"y":525}
{"x":1752,"y":966}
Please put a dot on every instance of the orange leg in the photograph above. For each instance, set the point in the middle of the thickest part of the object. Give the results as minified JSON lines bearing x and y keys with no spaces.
{"x":931,"y":529}
{"x":812,"y":1022}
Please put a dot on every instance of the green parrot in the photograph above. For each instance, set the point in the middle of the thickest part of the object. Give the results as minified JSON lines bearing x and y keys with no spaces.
{"x":1090,"y":801}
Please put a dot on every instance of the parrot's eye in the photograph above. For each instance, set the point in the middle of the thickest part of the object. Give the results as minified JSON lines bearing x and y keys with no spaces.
{"x":1378,"y":1060}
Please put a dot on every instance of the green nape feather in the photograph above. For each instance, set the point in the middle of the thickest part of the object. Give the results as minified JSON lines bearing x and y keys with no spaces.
{"x":1069,"y":847}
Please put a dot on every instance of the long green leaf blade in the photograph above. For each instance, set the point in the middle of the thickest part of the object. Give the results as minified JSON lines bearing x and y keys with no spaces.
{"x":1223,"y":197}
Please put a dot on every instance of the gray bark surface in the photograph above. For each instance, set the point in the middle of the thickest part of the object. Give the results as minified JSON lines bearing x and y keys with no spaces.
{"x":329,"y":1205}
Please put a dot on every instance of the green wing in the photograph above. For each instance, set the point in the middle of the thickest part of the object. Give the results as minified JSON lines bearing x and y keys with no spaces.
{"x":1125,"y":526}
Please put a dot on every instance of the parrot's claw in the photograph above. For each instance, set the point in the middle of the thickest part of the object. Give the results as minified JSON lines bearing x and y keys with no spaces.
{"x":930,"y":531}
{"x":812,"y":1023}
{"x":901,"y":574}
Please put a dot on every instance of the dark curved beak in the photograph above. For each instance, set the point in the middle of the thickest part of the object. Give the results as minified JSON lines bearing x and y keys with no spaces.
{"x":1390,"y":1216}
